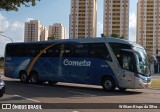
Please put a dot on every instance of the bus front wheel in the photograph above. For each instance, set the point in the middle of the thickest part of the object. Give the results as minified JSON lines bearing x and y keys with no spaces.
{"x":108,"y":84}
{"x":34,"y":78}
{"x":24,"y":77}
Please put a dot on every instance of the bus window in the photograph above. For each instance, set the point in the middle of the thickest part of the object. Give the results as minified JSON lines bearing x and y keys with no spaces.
{"x":32,"y":50}
{"x":99,"y":50}
{"x":16,"y":50}
{"x":10,"y":51}
{"x":118,"y":46}
{"x":67,"y":50}
{"x":81,"y":50}
{"x":127,"y":61}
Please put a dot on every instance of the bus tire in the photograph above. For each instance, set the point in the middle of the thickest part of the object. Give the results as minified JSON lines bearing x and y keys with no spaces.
{"x":52,"y":82}
{"x":23,"y":77}
{"x":34,"y":78}
{"x":1,"y":94}
{"x":122,"y":89}
{"x":108,"y":84}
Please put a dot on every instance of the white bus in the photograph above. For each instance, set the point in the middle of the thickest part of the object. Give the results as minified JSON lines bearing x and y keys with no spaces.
{"x":108,"y":62}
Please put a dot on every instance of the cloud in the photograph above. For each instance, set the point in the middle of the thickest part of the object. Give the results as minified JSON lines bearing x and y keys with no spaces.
{"x":132,"y":20}
{"x":132,"y":27}
{"x":99,"y":29}
{"x":17,"y":25}
{"x":4,"y":23}
{"x":17,"y":29}
{"x":28,"y":19}
{"x":11,"y":29}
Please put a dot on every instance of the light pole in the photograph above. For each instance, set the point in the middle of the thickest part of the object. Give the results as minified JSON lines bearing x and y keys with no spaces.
{"x":6,"y":36}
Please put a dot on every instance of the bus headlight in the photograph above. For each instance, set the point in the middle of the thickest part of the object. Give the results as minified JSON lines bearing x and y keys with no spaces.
{"x":145,"y":79}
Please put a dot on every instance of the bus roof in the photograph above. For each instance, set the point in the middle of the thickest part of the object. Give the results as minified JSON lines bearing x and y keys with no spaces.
{"x":87,"y":40}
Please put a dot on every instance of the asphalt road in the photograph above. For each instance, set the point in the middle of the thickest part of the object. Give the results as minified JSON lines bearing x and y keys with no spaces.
{"x":64,"y":93}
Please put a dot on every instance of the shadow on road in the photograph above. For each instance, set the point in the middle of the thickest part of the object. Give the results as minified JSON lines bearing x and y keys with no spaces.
{"x":60,"y":90}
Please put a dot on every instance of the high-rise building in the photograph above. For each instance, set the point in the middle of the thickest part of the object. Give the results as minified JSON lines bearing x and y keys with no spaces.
{"x":148,"y":25}
{"x":116,"y":18}
{"x":83,"y":19}
{"x":35,"y":31}
{"x":57,"y":30}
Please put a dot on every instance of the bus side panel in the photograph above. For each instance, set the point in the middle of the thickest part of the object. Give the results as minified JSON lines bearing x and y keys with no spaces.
{"x":89,"y":70}
{"x":72,"y":70}
{"x":14,"y":65}
{"x":48,"y":69}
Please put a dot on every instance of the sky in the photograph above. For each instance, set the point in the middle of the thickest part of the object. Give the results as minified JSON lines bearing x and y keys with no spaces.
{"x":49,"y":12}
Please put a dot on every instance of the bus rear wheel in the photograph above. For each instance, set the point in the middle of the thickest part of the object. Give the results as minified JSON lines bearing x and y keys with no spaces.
{"x":122,"y":89}
{"x":52,"y":82}
{"x":108,"y":84}
{"x":23,"y":77}
{"x":34,"y":78}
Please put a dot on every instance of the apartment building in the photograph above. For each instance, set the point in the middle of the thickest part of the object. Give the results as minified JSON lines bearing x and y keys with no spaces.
{"x":35,"y":31}
{"x":83,"y":19}
{"x":148,"y":25}
{"x":116,"y":18}
{"x":58,"y":30}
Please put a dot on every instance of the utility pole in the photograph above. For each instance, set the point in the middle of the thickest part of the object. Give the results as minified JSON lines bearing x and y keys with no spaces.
{"x":6,"y":37}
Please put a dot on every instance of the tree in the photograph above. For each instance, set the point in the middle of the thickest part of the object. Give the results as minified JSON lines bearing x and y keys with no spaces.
{"x":123,"y":37}
{"x":12,"y":5}
{"x":103,"y":35}
{"x":52,"y":37}
{"x":118,"y":36}
{"x":115,"y":35}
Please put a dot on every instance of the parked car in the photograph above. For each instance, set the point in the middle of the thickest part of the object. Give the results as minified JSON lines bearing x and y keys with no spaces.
{"x":2,"y":87}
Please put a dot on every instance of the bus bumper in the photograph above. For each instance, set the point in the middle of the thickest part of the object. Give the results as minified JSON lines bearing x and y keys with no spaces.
{"x":141,"y":83}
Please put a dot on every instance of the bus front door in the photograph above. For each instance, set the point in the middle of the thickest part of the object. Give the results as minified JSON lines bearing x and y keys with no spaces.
{"x":128,"y":64}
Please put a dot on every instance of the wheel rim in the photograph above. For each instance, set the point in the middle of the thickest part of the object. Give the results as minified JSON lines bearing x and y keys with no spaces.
{"x":23,"y":77}
{"x":108,"y":84}
{"x":34,"y":78}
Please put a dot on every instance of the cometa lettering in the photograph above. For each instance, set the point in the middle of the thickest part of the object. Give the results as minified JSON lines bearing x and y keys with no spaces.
{"x":67,"y":62}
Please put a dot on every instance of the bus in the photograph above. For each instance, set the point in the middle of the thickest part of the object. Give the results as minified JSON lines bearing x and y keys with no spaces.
{"x":108,"y":62}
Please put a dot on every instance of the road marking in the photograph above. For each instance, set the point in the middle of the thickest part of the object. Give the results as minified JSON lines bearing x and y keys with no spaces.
{"x":81,"y":93}
{"x":26,"y":98}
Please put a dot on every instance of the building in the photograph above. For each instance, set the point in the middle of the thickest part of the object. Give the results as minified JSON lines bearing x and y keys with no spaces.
{"x":116,"y":18}
{"x":148,"y":25}
{"x":35,"y":31}
{"x":83,"y":19}
{"x":57,"y":30}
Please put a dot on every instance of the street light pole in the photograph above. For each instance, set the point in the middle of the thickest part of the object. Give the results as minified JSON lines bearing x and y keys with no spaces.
{"x":6,"y":37}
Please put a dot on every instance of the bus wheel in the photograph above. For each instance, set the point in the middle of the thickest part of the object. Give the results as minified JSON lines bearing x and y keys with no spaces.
{"x":34,"y":78}
{"x":1,"y":94}
{"x":52,"y":82}
{"x":108,"y":84}
{"x":122,"y":89}
{"x":23,"y":77}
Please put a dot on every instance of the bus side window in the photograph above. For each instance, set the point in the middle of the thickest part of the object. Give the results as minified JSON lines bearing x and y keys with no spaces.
{"x":99,"y":50}
{"x":80,"y":50}
{"x":67,"y":50}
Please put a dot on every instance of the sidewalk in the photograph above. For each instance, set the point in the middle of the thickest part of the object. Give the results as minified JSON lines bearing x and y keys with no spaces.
{"x":155,"y":76}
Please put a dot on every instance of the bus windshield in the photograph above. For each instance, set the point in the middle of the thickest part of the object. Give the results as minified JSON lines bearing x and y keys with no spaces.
{"x":142,"y":62}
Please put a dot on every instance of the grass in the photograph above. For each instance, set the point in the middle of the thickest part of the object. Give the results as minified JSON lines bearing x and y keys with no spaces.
{"x":1,"y":65}
{"x":155,"y":84}
{"x":1,"y":71}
